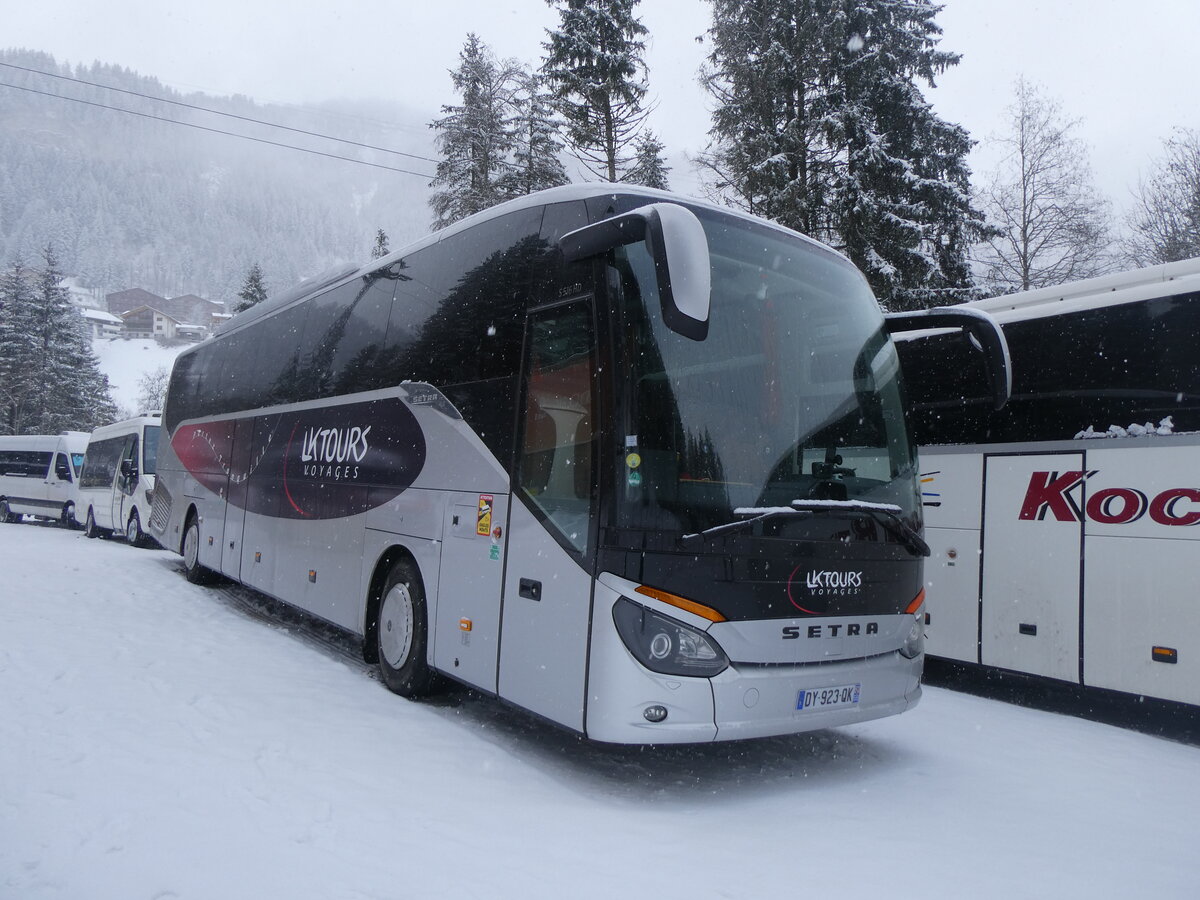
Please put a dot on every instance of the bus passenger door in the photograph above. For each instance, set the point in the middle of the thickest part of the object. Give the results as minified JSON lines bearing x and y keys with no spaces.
{"x":551,"y":529}
{"x":1032,"y":551}
{"x":235,"y":506}
{"x":126,"y":482}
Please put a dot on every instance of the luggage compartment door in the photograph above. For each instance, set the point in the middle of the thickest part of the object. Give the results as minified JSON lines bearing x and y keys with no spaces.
{"x":1032,"y":563}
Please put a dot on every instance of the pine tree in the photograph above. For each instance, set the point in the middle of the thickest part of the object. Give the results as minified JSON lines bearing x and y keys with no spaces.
{"x":649,"y":169}
{"x":1053,"y":223}
{"x":821,"y":125}
{"x":536,"y":147}
{"x":50,"y":380}
{"x":18,"y":349}
{"x":594,"y":63}
{"x":253,"y":290}
{"x":474,"y":137}
{"x":380,"y":250}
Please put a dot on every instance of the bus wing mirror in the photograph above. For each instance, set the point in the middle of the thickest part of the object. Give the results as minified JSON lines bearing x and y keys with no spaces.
{"x":978,"y":325}
{"x":676,"y":241}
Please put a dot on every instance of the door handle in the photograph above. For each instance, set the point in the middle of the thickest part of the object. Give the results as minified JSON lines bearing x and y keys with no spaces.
{"x":531,"y":589}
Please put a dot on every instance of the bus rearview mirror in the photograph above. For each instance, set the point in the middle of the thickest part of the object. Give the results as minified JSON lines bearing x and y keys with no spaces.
{"x":984,"y":331}
{"x":676,"y":242}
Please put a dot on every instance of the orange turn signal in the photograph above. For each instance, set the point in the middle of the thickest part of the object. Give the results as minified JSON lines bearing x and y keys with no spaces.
{"x":912,"y":608}
{"x":698,"y":609}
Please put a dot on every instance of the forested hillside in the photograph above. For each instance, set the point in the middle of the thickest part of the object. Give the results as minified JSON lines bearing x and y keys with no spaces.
{"x":133,"y":201}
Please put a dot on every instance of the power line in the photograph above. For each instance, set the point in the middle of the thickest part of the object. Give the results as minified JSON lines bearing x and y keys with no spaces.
{"x":215,"y":112}
{"x":244,"y":137}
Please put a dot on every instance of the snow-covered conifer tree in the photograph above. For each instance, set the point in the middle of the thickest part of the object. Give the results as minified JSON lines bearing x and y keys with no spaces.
{"x":474,"y":137}
{"x":821,"y":125}
{"x":649,"y":169}
{"x":253,"y":290}
{"x":50,"y":380}
{"x":536,"y":147}
{"x":594,"y":62}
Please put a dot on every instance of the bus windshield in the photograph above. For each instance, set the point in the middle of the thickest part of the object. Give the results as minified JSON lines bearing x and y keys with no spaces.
{"x":794,"y":395}
{"x":150,"y":449}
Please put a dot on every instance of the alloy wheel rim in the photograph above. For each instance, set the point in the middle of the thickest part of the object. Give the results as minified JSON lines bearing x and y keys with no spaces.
{"x":396,"y":626}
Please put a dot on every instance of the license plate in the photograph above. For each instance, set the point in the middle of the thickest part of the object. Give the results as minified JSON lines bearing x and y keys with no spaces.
{"x":825,"y":698}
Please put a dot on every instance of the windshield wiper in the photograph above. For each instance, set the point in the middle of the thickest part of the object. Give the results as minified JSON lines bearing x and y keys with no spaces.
{"x":886,"y":514}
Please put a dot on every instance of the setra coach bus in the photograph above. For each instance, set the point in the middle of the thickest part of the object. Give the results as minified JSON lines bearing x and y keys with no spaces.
{"x":1066,"y":528}
{"x":631,"y":462}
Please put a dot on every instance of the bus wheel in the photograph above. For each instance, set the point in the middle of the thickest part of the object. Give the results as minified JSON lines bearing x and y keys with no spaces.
{"x":67,"y":519}
{"x":402,"y":633}
{"x":134,"y":535}
{"x":192,"y":570}
{"x":6,"y":514}
{"x":90,"y":528}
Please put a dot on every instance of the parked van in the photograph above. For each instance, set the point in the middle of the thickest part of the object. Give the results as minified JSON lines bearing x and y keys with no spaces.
{"x":39,"y":474}
{"x":116,"y":486}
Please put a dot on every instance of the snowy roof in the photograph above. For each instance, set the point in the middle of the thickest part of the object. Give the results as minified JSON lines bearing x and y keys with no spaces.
{"x":1107,"y":290}
{"x":99,"y":315}
{"x":130,"y":312}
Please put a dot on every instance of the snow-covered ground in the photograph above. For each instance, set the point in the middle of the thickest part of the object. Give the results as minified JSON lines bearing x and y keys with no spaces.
{"x":125,"y":361}
{"x":157,"y":741}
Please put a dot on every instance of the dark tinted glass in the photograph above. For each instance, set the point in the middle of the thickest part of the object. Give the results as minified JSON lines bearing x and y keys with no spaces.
{"x":465,"y":336}
{"x":24,"y":463}
{"x":1115,"y":365}
{"x":181,"y":392}
{"x":275,"y":346}
{"x":100,"y":462}
{"x":344,"y":334}
{"x":150,"y":449}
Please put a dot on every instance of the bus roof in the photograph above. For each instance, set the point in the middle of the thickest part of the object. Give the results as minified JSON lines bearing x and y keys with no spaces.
{"x":1106,"y":290}
{"x":562,"y":194}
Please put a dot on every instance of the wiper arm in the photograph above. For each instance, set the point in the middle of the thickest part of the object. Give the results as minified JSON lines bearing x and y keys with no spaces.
{"x":756,"y":514}
{"x":886,"y":514}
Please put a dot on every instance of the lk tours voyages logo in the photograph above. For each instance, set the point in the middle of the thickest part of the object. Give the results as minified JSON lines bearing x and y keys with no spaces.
{"x":334,"y":453}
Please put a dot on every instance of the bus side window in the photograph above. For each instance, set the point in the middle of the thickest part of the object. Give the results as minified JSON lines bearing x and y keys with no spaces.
{"x":62,"y":469}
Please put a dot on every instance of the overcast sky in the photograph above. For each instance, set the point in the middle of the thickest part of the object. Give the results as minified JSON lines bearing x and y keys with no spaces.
{"x":1124,"y":68}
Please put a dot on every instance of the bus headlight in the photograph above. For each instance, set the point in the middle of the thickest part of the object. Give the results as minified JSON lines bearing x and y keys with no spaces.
{"x":914,"y":644}
{"x":666,"y":646}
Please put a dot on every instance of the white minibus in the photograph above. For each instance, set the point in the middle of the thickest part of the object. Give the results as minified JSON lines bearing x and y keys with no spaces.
{"x":38,"y":475}
{"x":116,"y":486}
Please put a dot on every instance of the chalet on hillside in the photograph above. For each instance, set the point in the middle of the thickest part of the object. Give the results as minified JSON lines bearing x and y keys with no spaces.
{"x":186,"y":316}
{"x":101,"y":324}
{"x":148,"y":322}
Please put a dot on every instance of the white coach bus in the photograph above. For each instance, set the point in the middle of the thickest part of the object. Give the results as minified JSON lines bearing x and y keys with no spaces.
{"x":39,"y":474}
{"x":633,"y":463}
{"x":1066,"y":528}
{"x":116,"y":487}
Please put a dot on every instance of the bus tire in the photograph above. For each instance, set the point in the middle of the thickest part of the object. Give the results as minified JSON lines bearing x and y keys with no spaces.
{"x":91,"y":529}
{"x":134,"y":535}
{"x":193,"y":571}
{"x":6,"y":514}
{"x":402,"y":633}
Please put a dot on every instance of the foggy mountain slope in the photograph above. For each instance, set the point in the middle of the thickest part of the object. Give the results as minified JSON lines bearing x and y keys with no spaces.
{"x":131,"y":201}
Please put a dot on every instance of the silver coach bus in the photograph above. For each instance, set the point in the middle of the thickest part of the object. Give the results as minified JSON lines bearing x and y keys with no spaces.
{"x":631,"y":462}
